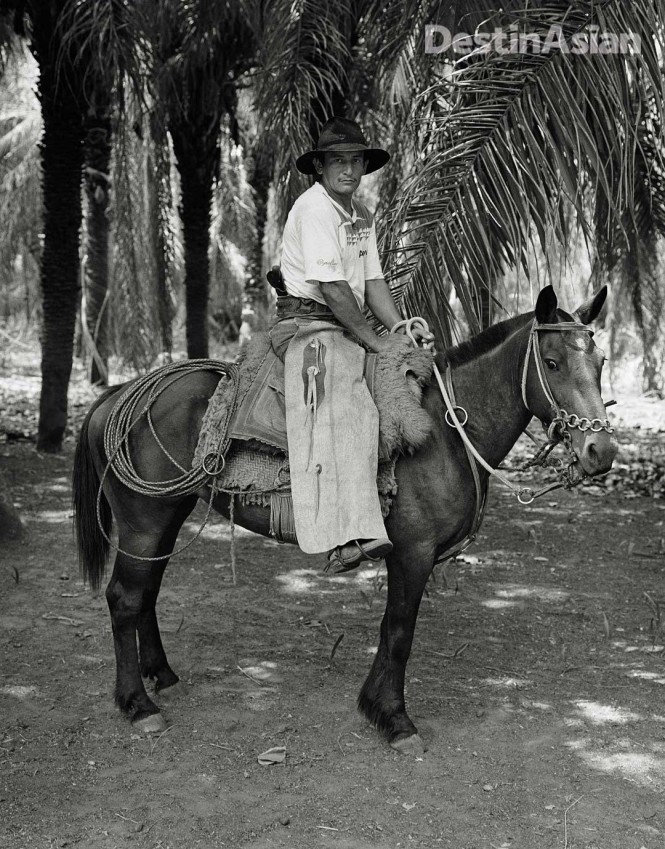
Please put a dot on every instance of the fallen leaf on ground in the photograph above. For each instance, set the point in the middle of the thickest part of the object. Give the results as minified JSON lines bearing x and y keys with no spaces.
{"x":276,"y":755}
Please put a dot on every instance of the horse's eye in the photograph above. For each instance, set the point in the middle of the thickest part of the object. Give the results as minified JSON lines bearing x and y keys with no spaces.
{"x":551,"y":365}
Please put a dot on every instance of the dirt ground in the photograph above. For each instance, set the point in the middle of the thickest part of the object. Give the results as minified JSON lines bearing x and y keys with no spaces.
{"x":536,"y":681}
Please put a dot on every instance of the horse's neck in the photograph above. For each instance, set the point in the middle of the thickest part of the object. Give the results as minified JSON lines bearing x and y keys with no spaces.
{"x":489,"y":389}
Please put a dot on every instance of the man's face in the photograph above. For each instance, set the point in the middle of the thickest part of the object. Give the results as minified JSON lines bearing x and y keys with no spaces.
{"x":342,"y":171}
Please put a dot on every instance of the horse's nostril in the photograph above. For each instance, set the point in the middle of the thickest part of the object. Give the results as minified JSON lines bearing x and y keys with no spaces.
{"x":597,"y":459}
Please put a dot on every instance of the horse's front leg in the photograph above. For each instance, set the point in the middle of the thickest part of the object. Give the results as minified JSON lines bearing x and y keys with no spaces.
{"x":382,"y":696}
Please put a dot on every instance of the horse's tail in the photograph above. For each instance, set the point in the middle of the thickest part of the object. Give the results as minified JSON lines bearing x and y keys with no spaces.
{"x":91,"y":532}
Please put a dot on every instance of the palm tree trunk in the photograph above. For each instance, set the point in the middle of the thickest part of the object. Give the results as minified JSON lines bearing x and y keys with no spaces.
{"x":62,"y":160}
{"x":256,"y":303}
{"x":196,"y":203}
{"x":197,"y":156}
{"x":97,"y":152}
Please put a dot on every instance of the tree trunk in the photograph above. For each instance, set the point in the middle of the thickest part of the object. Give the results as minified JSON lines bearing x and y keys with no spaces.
{"x":97,"y":153}
{"x":62,"y":159}
{"x":256,"y":302}
{"x":197,"y":156}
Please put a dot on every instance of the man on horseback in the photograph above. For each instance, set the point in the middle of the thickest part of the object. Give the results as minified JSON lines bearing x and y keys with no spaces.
{"x":331,"y":271}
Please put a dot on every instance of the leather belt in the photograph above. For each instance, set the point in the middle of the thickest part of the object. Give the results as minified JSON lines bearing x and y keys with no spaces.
{"x":289,"y":306}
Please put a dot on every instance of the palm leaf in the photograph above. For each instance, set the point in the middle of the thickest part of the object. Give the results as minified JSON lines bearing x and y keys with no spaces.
{"x":135,"y":296}
{"x":20,"y":173}
{"x":304,"y":56}
{"x":233,"y":230}
{"x":505,"y":141}
{"x":102,"y":39}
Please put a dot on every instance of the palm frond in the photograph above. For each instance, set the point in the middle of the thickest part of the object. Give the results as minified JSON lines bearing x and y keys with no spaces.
{"x":233,"y":231}
{"x":103,"y":41}
{"x":197,"y":50}
{"x":12,"y":45}
{"x":505,"y":141}
{"x":134,"y":292}
{"x":20,"y":172}
{"x":304,"y":57}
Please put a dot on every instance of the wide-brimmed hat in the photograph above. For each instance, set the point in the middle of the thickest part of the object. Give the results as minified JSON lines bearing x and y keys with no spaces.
{"x":340,"y":134}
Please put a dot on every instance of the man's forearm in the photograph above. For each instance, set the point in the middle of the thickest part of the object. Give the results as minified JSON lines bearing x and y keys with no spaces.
{"x":380,"y":301}
{"x":341,"y":300}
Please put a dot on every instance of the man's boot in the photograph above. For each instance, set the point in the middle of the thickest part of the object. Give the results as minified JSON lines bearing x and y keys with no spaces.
{"x":352,"y":554}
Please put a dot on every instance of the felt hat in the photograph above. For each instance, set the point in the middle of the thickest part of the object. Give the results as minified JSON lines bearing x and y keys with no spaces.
{"x":340,"y":134}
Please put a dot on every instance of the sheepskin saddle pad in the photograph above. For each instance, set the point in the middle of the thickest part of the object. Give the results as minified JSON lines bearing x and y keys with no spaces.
{"x":246,"y":419}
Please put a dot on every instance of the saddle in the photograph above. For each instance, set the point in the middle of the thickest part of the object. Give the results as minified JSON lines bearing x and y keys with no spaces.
{"x":243,"y":444}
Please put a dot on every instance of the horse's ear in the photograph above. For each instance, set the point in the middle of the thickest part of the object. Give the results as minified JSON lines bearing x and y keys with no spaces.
{"x":546,"y":306}
{"x":590,"y":309}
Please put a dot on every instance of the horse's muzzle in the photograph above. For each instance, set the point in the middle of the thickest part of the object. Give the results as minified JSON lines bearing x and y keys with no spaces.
{"x":598,"y":453}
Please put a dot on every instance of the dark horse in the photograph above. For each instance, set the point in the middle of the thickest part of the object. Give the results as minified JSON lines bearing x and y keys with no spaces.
{"x":493,"y":381}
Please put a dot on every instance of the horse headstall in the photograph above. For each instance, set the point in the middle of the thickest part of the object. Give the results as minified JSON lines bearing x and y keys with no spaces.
{"x":561,"y":420}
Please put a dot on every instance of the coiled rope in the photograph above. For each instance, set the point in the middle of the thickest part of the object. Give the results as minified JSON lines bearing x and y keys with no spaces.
{"x":124,"y":417}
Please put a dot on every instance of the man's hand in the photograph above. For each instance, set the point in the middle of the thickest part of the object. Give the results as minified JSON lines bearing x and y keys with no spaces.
{"x":421,"y":335}
{"x":416,"y":330}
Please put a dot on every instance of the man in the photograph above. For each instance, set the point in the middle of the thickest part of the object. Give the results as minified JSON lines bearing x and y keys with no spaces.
{"x":331,"y":270}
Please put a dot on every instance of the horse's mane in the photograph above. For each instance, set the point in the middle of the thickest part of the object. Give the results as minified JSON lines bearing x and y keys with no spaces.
{"x":485,"y":341}
{"x":491,"y":338}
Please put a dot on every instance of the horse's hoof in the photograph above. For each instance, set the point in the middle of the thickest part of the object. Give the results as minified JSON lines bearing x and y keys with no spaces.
{"x":153,"y":724}
{"x":412,"y":745}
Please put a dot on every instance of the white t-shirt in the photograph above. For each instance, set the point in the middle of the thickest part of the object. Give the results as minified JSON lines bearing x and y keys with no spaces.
{"x":323,"y":243}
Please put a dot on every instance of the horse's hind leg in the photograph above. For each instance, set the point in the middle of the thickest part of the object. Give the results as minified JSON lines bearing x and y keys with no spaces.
{"x":124,"y":594}
{"x":153,"y":661}
{"x":131,"y":595}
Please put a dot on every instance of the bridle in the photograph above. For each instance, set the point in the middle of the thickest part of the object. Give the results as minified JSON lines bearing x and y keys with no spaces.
{"x":561,"y":419}
{"x":558,"y":429}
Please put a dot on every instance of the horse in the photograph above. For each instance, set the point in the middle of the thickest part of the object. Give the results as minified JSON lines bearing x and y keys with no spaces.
{"x":501,"y":379}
